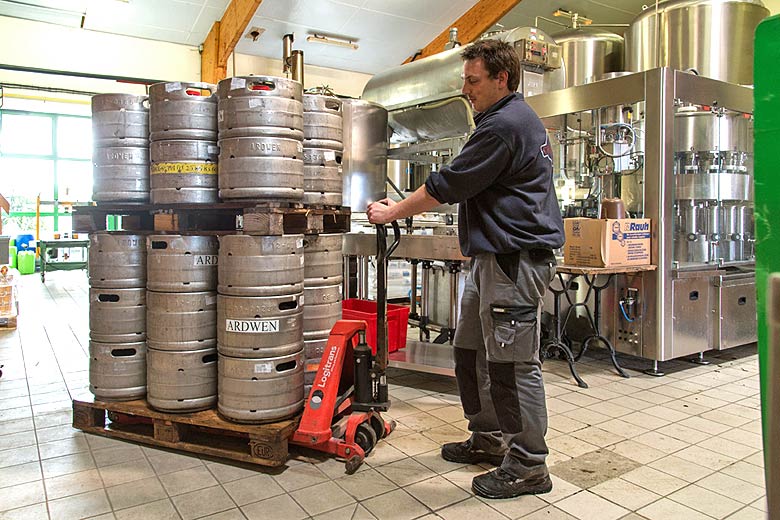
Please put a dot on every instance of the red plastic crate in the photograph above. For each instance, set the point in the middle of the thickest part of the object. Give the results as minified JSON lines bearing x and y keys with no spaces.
{"x":397,"y":321}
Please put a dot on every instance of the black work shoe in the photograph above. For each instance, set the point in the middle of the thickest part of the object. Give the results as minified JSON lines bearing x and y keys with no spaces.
{"x":465,"y":453}
{"x":500,"y":484}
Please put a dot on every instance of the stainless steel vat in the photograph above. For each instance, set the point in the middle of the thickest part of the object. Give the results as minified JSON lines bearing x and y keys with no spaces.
{"x":117,"y":315}
{"x":117,"y":260}
{"x":589,"y":52}
{"x":253,"y":265}
{"x":117,"y":371}
{"x":364,"y":164}
{"x":715,"y":37}
{"x":260,"y":390}
{"x":179,"y":263}
{"x":181,"y":321}
{"x":182,"y":381}
{"x":179,"y":110}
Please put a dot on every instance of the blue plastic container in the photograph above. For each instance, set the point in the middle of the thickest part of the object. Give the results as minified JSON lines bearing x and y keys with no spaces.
{"x":24,"y":243}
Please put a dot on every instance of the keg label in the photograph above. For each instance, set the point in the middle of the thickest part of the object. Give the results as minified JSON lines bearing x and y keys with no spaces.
{"x":300,"y":300}
{"x":237,"y":83}
{"x":264,"y":368}
{"x":206,"y":260}
{"x":172,"y":87}
{"x":220,"y":116}
{"x":256,"y":102}
{"x":252,"y":326}
{"x":186,"y":168}
{"x":330,"y":155}
{"x":299,"y":243}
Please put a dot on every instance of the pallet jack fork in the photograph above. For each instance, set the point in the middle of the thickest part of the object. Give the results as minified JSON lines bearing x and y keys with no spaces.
{"x":343,"y":413}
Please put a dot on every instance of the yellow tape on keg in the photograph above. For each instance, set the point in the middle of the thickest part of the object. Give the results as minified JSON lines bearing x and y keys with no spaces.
{"x":186,"y":168}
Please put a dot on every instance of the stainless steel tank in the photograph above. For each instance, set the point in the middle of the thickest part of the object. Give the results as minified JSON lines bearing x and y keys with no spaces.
{"x":589,"y":52}
{"x":181,"y":321}
{"x":252,"y":265}
{"x":715,"y":37}
{"x":257,"y":327}
{"x":117,"y":315}
{"x":179,"y":110}
{"x":182,"y":381}
{"x":364,"y":164}
{"x":117,"y":371}
{"x":260,"y":390}
{"x":117,"y":260}
{"x":183,"y":171}
{"x":180,"y":263}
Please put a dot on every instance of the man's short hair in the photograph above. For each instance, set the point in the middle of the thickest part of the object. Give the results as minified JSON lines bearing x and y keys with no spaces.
{"x":497,"y":56}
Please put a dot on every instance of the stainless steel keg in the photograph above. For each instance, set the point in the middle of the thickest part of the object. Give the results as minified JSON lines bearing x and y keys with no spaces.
{"x":117,"y":260}
{"x":117,"y":371}
{"x":182,"y":381}
{"x":253,"y":265}
{"x":181,"y":263}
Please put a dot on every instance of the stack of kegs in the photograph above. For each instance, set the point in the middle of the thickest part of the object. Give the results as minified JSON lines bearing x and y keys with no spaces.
{"x":181,"y":322}
{"x":322,"y":291}
{"x":322,"y":150}
{"x":260,"y":120}
{"x":120,"y":155}
{"x":260,"y":327}
{"x":117,"y":316}
{"x":183,"y":145}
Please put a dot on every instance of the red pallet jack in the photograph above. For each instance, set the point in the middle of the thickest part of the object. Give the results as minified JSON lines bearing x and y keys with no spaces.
{"x":343,"y":413}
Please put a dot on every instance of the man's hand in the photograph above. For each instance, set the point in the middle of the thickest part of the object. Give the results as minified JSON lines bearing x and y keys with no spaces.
{"x":379,"y":212}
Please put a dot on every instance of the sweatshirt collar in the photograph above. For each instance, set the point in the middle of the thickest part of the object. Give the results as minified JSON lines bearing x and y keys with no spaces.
{"x":498,"y":105}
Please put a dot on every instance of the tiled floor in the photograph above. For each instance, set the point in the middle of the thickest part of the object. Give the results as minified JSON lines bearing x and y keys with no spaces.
{"x":684,"y":446}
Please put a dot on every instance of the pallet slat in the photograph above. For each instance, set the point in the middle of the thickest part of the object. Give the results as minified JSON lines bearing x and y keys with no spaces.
{"x":204,"y":433}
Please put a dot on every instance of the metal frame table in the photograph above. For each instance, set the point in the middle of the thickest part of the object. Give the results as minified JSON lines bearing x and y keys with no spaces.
{"x":590,"y":275}
{"x":50,"y":245}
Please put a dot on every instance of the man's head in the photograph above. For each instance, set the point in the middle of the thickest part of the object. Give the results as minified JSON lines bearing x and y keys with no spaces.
{"x":491,"y":70}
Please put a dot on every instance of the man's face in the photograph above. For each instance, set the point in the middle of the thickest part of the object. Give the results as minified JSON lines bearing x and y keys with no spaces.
{"x":481,"y":90}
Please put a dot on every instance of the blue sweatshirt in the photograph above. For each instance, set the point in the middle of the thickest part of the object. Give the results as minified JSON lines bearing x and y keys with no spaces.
{"x":502,"y":179}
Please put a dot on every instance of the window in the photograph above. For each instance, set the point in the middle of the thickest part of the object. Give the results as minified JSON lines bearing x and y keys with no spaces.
{"x":48,"y":156}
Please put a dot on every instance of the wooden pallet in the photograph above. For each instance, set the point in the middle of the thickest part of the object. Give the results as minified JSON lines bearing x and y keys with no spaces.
{"x":204,"y":433}
{"x":8,"y":322}
{"x":261,"y":218}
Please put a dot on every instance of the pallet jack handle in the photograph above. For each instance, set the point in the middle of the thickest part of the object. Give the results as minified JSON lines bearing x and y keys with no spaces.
{"x":383,"y":253}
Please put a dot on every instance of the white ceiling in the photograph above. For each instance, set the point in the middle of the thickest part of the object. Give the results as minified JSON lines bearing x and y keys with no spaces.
{"x":386,"y":31}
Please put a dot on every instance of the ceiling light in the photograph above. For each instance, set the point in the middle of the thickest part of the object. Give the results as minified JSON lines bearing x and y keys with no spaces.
{"x":328,"y":40}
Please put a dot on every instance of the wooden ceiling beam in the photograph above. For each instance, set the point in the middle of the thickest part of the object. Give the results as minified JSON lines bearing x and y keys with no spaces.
{"x":474,"y":22}
{"x":223,"y":38}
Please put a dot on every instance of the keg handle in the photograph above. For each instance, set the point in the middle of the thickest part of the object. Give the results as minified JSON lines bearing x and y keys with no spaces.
{"x":383,"y":253}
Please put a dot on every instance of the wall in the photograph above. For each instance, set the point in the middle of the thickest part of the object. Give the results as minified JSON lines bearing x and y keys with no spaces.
{"x":53,"y":47}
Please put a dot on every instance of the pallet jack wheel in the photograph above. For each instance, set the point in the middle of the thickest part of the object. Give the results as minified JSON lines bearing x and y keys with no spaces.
{"x":365,"y":437}
{"x":378,"y":426}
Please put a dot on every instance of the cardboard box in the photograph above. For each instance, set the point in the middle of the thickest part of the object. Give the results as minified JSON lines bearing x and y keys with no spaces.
{"x":606,"y":242}
{"x":8,"y":305}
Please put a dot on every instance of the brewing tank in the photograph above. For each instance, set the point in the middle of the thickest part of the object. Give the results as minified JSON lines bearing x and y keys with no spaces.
{"x":589,"y":52}
{"x":715,"y":37}
{"x":364,"y":163}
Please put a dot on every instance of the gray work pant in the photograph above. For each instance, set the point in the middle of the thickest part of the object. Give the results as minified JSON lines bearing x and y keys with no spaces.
{"x":497,"y":362}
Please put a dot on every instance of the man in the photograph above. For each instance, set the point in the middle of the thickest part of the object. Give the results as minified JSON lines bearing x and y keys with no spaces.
{"x":508,"y":222}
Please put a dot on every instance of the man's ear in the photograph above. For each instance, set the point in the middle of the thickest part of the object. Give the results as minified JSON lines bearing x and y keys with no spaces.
{"x":503,"y":77}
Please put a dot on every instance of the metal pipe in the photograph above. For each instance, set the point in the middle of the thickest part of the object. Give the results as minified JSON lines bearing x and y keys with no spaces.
{"x":287,"y":41}
{"x":413,"y":292}
{"x":297,"y":66}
